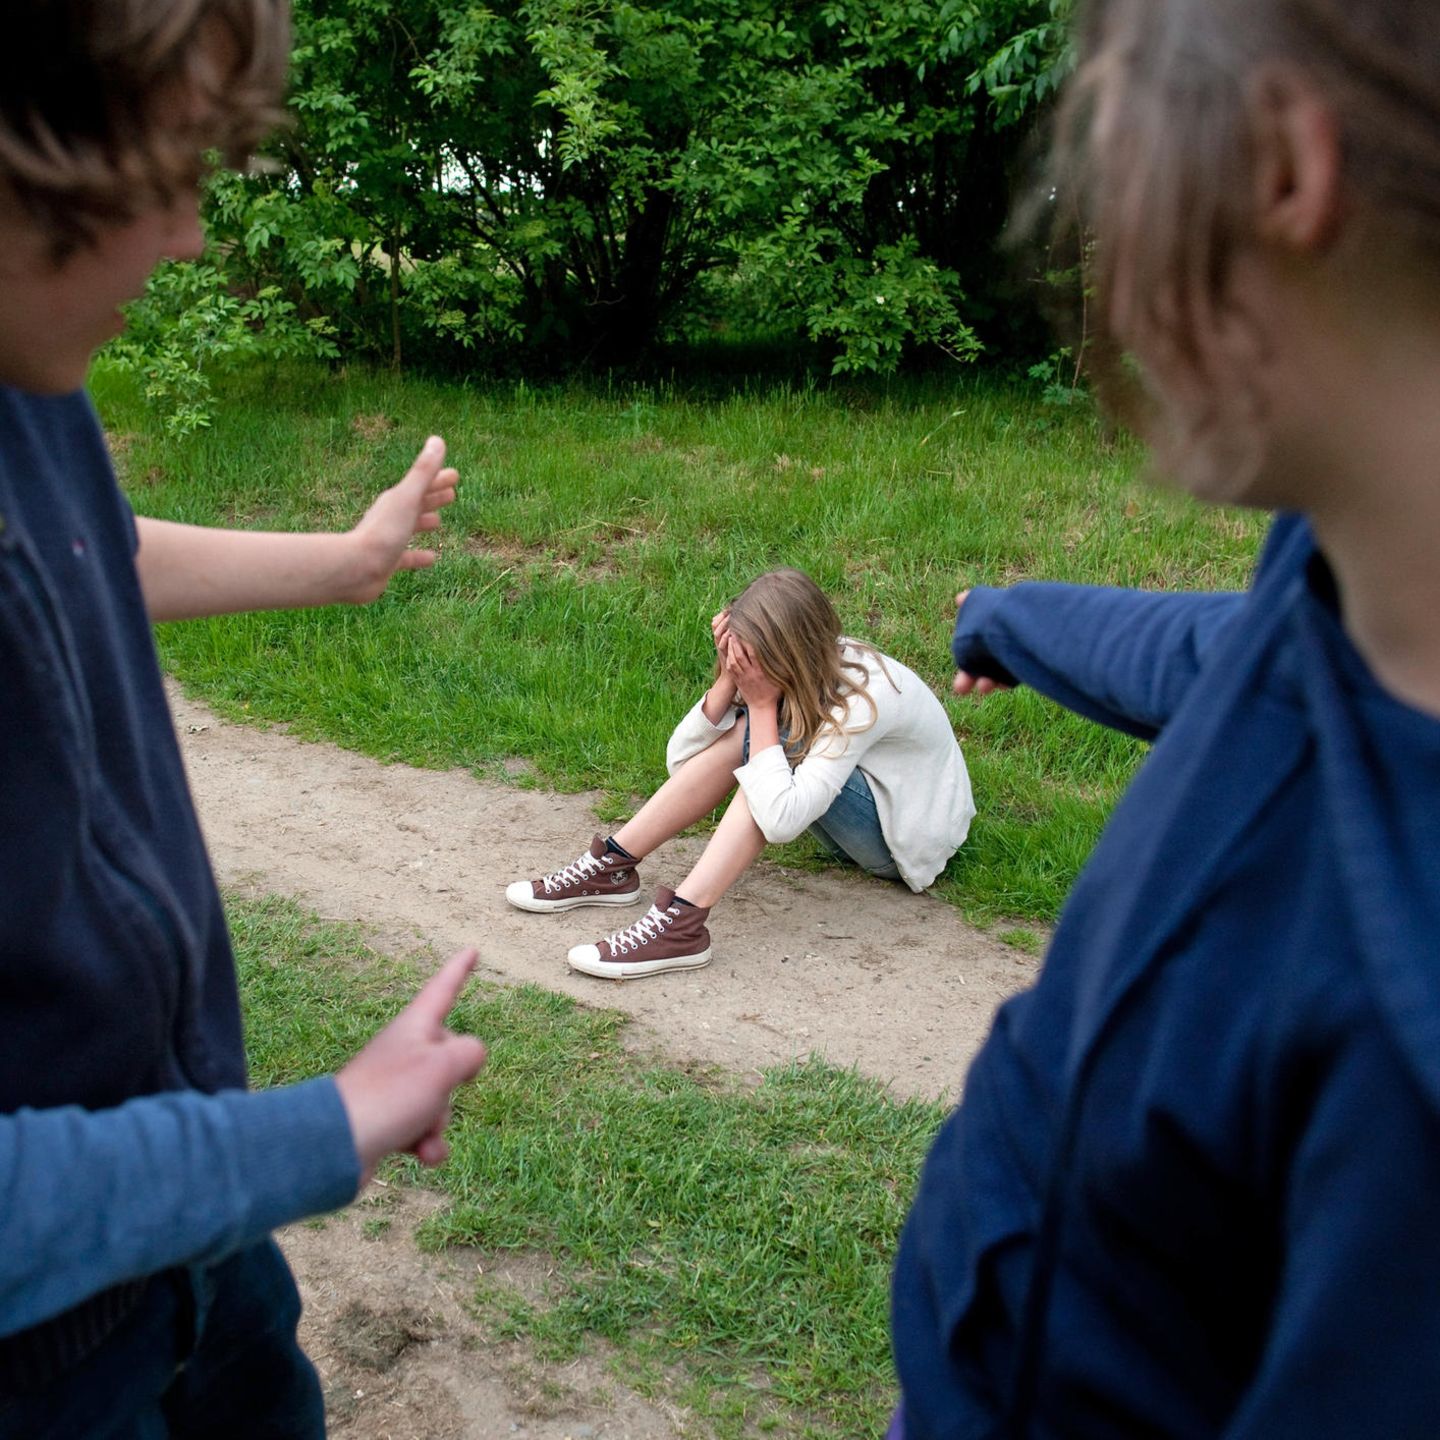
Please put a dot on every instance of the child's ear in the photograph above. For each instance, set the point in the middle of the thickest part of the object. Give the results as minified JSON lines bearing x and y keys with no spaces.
{"x":1297,"y":162}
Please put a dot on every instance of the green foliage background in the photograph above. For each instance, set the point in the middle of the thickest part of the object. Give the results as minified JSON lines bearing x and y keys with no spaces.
{"x":571,"y":182}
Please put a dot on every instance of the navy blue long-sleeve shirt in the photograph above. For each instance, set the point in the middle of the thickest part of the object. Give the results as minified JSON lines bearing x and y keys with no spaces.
{"x":128,"y":1143}
{"x":1192,"y":1189}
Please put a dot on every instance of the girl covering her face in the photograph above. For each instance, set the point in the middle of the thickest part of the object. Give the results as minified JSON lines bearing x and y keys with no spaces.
{"x":819,"y":732}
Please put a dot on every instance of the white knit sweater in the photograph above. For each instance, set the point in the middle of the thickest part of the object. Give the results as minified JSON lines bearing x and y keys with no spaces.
{"x":909,"y":757}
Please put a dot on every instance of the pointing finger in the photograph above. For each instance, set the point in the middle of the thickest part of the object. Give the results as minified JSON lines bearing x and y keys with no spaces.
{"x":439,"y":993}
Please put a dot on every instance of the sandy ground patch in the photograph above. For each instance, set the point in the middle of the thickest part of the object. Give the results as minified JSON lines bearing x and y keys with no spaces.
{"x":402,"y":1356}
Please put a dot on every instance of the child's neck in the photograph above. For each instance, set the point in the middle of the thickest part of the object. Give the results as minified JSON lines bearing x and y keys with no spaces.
{"x":1363,"y":438}
{"x":1382,"y":540}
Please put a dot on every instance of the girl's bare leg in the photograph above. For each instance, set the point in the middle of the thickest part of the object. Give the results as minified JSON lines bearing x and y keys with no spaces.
{"x":690,"y":794}
{"x":732,"y":849}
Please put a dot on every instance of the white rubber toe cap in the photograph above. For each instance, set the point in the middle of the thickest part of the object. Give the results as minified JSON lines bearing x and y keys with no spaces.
{"x":586,"y":958}
{"x":521,"y":894}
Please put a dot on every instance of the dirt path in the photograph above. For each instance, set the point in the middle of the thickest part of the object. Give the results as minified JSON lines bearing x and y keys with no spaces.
{"x":394,"y":1335}
{"x":835,"y":964}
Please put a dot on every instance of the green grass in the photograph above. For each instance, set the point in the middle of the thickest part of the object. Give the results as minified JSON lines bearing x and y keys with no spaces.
{"x":733,"y":1245}
{"x":598,"y":529}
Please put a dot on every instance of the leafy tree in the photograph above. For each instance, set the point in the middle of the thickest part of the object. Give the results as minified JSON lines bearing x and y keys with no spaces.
{"x":188,"y":322}
{"x":579,"y":176}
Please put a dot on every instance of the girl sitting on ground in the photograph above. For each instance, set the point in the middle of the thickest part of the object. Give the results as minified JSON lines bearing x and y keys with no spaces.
{"x":819,"y":731}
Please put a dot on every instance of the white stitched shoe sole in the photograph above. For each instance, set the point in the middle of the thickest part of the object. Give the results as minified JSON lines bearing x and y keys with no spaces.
{"x":522,"y":896}
{"x":586,"y":959}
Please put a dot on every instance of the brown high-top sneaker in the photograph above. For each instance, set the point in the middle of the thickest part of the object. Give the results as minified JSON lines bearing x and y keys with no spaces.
{"x":667,"y":937}
{"x":598,"y":877}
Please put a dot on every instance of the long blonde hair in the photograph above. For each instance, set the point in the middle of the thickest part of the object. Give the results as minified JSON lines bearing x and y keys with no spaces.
{"x":791,"y":628}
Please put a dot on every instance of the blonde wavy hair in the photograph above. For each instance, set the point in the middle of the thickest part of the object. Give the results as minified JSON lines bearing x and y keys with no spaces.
{"x":791,"y":628}
{"x":108,"y":106}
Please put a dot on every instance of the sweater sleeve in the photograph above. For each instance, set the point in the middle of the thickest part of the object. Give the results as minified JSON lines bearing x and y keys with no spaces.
{"x":90,"y":1199}
{"x":695,"y":733}
{"x":784,"y":802}
{"x":1125,"y":658}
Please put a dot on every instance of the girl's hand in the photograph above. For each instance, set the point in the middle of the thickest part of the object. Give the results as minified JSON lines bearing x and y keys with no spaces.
{"x":722,"y":694}
{"x":720,"y":628}
{"x":967,"y":684}
{"x":756,"y":688}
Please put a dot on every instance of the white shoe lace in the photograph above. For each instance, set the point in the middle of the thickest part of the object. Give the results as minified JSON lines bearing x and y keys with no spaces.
{"x":644,"y":930}
{"x":572,"y":874}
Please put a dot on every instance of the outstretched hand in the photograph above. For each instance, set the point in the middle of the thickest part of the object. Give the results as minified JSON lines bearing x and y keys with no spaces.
{"x":967,"y":684}
{"x":396,"y":1091}
{"x":410,"y":508}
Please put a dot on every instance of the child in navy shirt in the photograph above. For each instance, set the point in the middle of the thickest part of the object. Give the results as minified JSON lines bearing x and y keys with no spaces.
{"x":139,"y":1179}
{"x":1192,"y":1189}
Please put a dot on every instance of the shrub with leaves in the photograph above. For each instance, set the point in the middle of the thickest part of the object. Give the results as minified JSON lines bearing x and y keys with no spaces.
{"x":568,"y":176}
{"x":188,"y":323}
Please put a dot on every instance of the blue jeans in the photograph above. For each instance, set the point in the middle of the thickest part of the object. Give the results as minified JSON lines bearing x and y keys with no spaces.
{"x":850,"y":829}
{"x":209,"y":1352}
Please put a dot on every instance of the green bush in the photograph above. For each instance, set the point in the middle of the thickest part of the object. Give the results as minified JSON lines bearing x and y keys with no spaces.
{"x":564,"y":178}
{"x":188,"y":322}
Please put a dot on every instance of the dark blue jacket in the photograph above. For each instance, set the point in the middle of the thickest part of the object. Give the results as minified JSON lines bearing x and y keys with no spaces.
{"x":113,"y":948}
{"x":127,"y":1141}
{"x":1194,"y":1185}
